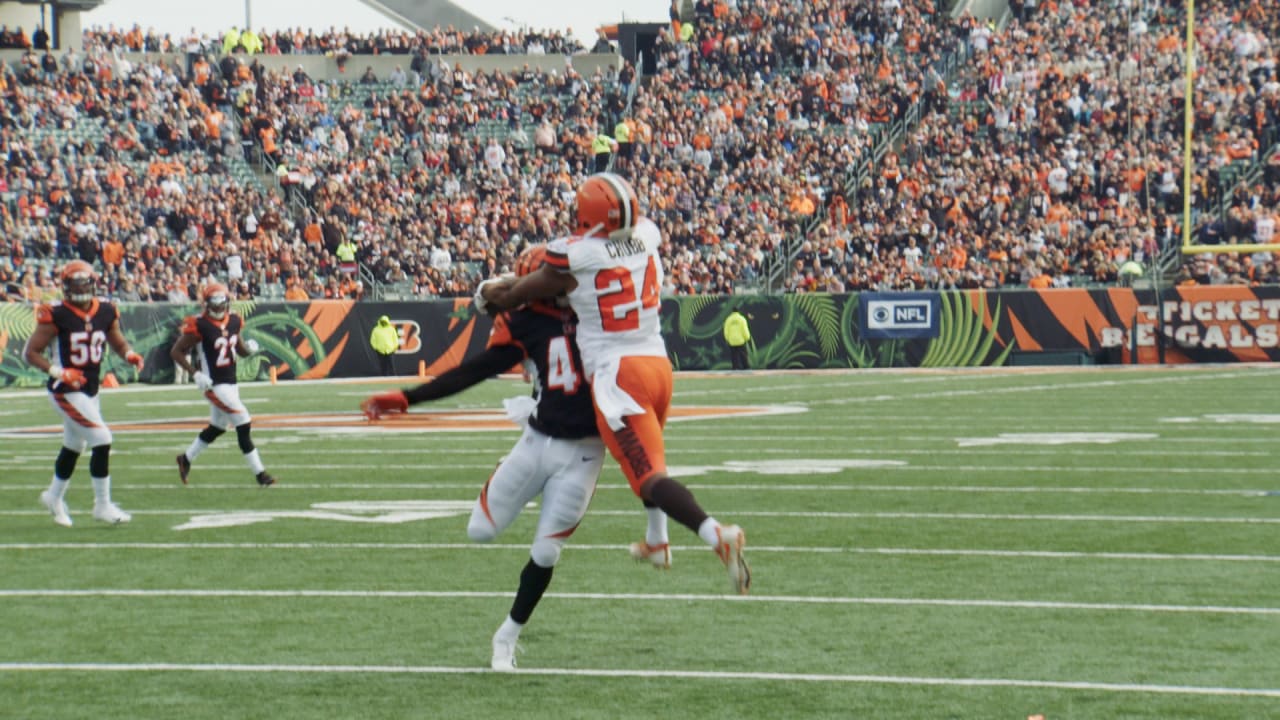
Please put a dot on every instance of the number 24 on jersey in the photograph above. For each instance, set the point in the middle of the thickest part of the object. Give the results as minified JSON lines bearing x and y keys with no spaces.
{"x":619,"y":304}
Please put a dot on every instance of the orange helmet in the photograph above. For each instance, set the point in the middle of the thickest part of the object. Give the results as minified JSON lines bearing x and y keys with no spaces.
{"x":78,"y":282}
{"x":606,"y":204}
{"x":528,"y":262}
{"x":216,"y":300}
{"x":531,"y":259}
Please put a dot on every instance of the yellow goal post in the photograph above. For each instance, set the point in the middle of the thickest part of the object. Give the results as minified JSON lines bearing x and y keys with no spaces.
{"x":1189,"y":247}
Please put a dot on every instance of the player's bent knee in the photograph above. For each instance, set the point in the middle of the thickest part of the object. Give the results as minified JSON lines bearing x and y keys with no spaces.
{"x":210,"y":433}
{"x":480,"y":530}
{"x":97,"y":438}
{"x":546,"y":552}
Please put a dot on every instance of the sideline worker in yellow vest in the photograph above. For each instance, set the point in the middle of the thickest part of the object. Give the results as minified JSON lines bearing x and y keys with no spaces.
{"x":385,"y":341}
{"x":602,"y":146}
{"x":737,"y":335}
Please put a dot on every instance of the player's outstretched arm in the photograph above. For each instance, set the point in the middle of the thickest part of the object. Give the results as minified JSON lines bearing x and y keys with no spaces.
{"x":474,"y":371}
{"x":544,"y":282}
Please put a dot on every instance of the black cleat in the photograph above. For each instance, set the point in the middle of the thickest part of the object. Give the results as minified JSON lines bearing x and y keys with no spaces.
{"x":264,"y":479}
{"x":184,"y":467}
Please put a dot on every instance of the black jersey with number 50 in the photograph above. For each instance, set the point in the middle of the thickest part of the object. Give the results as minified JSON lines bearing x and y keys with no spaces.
{"x":82,"y":338}
{"x":218,"y":344}
{"x":564,"y":396}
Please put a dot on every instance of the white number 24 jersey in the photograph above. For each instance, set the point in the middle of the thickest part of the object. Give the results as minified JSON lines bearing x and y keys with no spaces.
{"x":618,"y":295}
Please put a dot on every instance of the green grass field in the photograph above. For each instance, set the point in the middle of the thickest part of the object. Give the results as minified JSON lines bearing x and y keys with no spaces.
{"x":1097,"y":543}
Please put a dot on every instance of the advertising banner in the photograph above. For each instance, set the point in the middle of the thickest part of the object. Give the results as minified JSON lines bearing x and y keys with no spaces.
{"x":899,"y":315}
{"x":964,"y":328}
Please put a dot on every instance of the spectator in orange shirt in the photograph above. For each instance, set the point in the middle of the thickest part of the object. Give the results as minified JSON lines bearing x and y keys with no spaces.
{"x":113,"y":257}
{"x":295,"y":292}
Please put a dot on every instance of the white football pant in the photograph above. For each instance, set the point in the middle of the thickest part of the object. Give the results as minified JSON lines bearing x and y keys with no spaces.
{"x":82,"y":423}
{"x":225,"y":408}
{"x":564,"y":472}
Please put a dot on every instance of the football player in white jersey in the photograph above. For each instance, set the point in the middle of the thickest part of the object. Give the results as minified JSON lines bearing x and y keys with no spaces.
{"x":612,"y":273}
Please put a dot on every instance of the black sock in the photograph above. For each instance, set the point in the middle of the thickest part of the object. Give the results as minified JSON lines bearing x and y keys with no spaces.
{"x":677,"y":502}
{"x":534,"y":580}
{"x":65,"y":464}
{"x":99,"y":461}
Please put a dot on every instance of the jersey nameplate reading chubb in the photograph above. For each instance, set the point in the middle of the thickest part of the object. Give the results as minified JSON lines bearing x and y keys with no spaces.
{"x":624,"y":248}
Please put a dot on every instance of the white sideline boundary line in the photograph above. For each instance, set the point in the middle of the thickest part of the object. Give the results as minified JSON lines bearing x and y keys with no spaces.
{"x":755,"y":487}
{"x":985,"y":517}
{"x":649,"y":597}
{"x":361,"y":467}
{"x":924,"y":552}
{"x":624,"y":673}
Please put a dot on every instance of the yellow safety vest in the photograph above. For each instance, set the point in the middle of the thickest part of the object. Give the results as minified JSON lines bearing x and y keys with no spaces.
{"x":735,"y":330}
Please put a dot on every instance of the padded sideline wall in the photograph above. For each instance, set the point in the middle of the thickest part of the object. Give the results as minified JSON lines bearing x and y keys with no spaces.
{"x":968,"y":328}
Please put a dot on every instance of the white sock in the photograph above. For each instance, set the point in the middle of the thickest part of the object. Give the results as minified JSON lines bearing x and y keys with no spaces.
{"x":708,"y":531}
{"x":656,"y":533}
{"x":509,"y":630}
{"x":58,"y":487}
{"x":197,"y":446}
{"x":255,"y":462}
{"x":102,"y":489}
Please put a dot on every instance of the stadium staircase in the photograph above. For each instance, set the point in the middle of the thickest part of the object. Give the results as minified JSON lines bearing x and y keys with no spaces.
{"x":883,"y":137}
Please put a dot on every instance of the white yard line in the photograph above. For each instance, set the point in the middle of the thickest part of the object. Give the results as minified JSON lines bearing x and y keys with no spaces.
{"x":364,"y":467}
{"x":646,"y":597}
{"x":925,"y":552}
{"x":155,"y":667}
{"x":751,"y":487}
{"x":985,"y":517}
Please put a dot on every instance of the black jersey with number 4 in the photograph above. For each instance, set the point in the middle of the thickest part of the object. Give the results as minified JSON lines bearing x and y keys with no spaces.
{"x":82,"y":338}
{"x":561,"y":389}
{"x":218,"y":344}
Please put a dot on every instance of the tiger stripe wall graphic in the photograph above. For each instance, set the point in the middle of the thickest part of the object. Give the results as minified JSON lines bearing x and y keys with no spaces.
{"x":973,"y":327}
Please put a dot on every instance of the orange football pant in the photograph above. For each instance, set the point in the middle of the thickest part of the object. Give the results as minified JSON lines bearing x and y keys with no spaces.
{"x":638,"y":447}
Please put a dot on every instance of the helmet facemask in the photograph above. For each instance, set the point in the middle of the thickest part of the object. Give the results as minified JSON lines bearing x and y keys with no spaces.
{"x":216,"y":305}
{"x":78,"y":288}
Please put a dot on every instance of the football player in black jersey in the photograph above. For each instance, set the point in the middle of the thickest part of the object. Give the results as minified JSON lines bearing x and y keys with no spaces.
{"x":216,"y":332}
{"x":559,"y":455}
{"x":81,"y":326}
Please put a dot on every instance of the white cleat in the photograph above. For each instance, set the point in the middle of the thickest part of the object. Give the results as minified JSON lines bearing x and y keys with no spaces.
{"x":57,"y":508}
{"x":732,"y":542}
{"x":504,"y":655}
{"x":109,"y":513}
{"x":657,"y":555}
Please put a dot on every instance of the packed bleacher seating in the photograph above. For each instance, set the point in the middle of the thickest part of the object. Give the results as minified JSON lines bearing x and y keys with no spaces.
{"x":300,"y":41}
{"x":1042,"y":152}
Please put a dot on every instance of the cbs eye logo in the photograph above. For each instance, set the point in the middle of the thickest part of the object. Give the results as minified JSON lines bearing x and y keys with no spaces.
{"x":881,"y":314}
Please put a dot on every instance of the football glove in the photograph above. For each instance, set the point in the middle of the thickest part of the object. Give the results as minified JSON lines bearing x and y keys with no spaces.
{"x":135,"y":360}
{"x":71,"y":377}
{"x":482,"y":304}
{"x":252,"y":346}
{"x":203,"y":381}
{"x":375,"y":406}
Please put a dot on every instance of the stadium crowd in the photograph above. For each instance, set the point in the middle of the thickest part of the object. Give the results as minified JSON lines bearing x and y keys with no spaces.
{"x":1051,"y":155}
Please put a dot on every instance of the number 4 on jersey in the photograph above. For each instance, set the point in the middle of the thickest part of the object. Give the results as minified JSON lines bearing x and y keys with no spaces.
{"x":563,"y":375}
